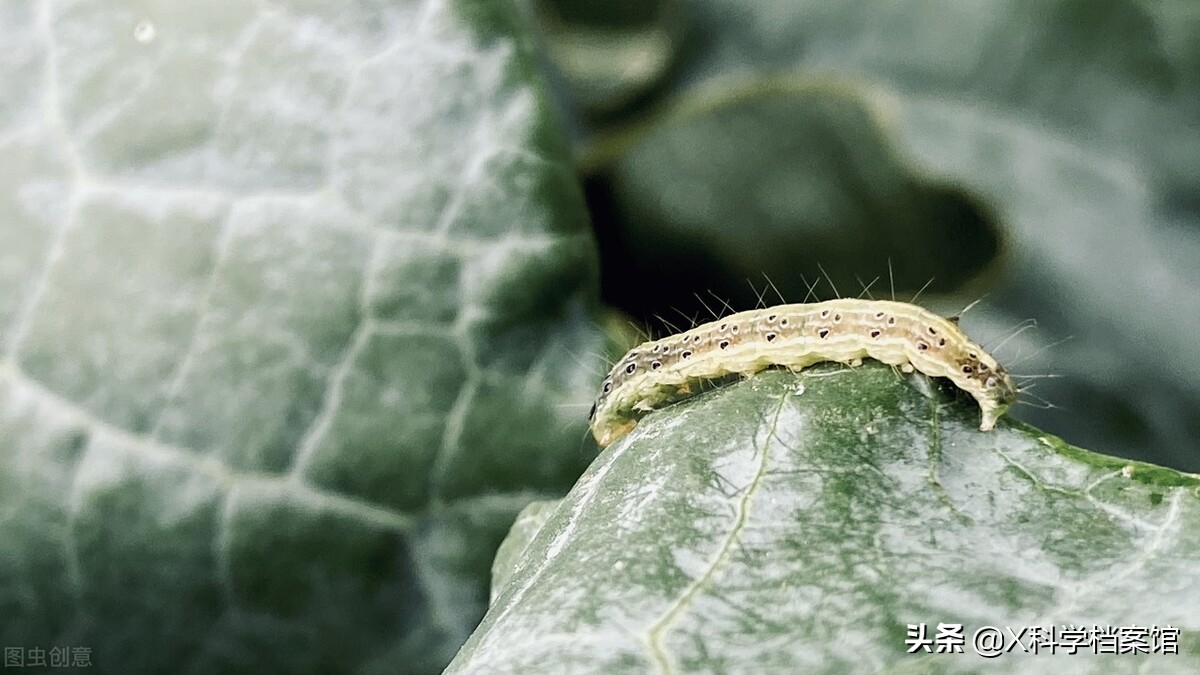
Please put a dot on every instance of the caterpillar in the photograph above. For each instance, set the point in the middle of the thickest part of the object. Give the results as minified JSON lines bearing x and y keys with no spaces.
{"x":795,"y":336}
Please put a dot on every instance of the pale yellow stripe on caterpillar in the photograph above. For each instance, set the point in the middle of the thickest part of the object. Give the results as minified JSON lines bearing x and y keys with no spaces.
{"x":795,"y":336}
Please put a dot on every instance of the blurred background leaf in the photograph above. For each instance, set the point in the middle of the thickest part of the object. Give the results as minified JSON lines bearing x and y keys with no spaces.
{"x":296,"y":299}
{"x":610,"y":54}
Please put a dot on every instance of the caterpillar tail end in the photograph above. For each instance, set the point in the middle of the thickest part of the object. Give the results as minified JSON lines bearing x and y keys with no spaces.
{"x":989,"y":418}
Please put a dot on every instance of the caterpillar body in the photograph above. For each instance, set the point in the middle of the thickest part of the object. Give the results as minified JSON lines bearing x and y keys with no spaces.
{"x":795,"y":336}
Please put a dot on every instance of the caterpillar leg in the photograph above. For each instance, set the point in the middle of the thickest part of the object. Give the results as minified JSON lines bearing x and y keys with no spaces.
{"x":907,"y":367}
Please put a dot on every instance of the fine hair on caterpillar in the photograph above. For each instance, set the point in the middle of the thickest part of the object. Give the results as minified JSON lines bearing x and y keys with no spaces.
{"x":793,"y":336}
{"x":1025,"y":381}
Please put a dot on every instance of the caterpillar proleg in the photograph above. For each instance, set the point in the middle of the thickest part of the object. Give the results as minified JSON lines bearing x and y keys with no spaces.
{"x":795,"y":336}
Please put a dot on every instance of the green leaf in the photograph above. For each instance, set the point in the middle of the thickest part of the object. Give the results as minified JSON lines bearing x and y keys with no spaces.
{"x":527,"y":524}
{"x":799,"y":523}
{"x":288,"y":298}
{"x":1040,"y":155}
